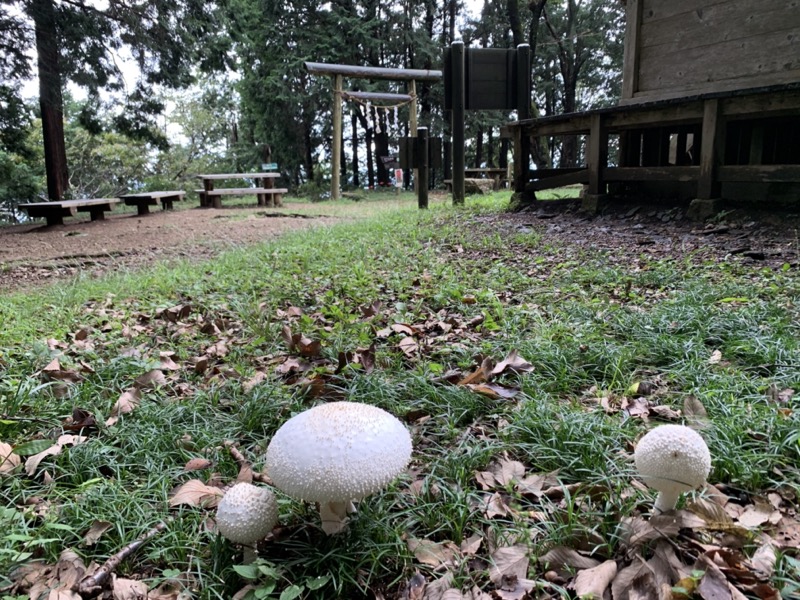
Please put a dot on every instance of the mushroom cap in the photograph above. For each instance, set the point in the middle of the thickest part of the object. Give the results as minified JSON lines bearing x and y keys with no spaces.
{"x":247,"y":513}
{"x":337,"y":452}
{"x":673,"y":458}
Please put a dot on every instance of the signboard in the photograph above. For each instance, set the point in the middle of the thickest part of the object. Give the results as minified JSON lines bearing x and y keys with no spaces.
{"x":490,"y":79}
{"x":408,"y":153}
{"x":398,"y":178}
{"x":269,"y":166}
{"x":390,"y":162}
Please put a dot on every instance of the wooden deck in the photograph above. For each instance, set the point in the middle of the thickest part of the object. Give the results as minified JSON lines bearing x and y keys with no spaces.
{"x":702,"y":142}
{"x":144,"y":200}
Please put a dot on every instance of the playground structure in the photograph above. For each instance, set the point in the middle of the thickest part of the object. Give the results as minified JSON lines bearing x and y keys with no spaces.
{"x":710,"y":110}
{"x":338,"y":72}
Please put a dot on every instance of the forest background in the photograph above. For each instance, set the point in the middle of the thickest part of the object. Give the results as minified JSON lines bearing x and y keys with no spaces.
{"x":221,"y":86}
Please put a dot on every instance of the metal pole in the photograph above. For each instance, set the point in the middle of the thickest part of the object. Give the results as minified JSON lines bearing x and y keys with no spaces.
{"x":336,"y":151}
{"x":421,"y":180}
{"x":457,"y":123}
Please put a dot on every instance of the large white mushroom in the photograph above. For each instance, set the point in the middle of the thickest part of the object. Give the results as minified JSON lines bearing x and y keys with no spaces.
{"x":245,"y":515}
{"x":335,"y":453}
{"x":672,"y":459}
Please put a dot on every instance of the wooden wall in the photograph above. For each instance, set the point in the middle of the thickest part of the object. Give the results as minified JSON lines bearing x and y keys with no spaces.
{"x":684,"y":47}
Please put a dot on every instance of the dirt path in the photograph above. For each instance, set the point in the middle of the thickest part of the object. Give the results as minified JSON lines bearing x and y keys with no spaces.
{"x":31,"y":255}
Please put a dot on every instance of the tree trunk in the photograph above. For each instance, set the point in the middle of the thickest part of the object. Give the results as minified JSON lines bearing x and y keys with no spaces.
{"x":50,"y":98}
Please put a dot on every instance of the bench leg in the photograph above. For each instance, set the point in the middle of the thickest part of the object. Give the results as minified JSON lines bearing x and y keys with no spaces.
{"x":54,"y":220}
{"x":97,"y":214}
{"x":166,"y":204}
{"x":217,"y":201}
{"x":278,"y":199}
{"x":141,"y":209}
{"x":263,"y":200}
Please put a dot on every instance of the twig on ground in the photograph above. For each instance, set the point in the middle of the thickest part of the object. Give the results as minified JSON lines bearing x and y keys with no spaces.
{"x":92,"y":585}
{"x":245,"y":464}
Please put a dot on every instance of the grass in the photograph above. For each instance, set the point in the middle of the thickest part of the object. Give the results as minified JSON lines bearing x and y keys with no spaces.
{"x":591,"y":325}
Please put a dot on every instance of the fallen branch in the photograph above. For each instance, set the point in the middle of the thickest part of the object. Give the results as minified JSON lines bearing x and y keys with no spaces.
{"x":93,"y":584}
{"x":245,"y":464}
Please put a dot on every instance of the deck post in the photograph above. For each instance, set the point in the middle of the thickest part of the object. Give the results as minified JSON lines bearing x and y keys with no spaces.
{"x":712,"y":145}
{"x":597,"y":160}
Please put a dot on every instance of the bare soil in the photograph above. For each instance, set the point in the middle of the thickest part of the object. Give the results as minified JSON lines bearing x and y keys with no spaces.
{"x":34,"y":254}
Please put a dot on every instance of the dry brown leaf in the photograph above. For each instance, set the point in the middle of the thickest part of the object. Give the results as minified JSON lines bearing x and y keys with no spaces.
{"x":65,"y":440}
{"x":591,"y":584}
{"x":431,"y":553}
{"x":562,"y":558}
{"x":509,"y":561}
{"x":496,"y":506}
{"x":535,"y":484}
{"x":415,"y":588}
{"x":715,"y":358}
{"x":481,"y":374}
{"x":695,"y":413}
{"x":436,"y":589}
{"x":787,"y":533}
{"x":8,"y":460}
{"x":126,"y":403}
{"x":151,"y":380}
{"x":248,"y":385}
{"x":504,"y":471}
{"x":197,"y":464}
{"x":196,"y":493}
{"x":471,"y":545}
{"x":408,"y":346}
{"x":494,"y":391}
{"x":764,"y":559}
{"x":128,"y":589}
{"x":513,"y":588}
{"x":514,"y":363}
{"x":97,"y":529}
{"x":757,"y":514}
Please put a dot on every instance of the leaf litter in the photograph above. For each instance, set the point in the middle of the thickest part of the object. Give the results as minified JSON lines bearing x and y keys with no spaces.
{"x":714,"y":548}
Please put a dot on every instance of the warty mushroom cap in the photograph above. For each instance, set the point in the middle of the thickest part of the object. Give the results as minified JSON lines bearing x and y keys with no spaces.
{"x":247,"y":513}
{"x":337,"y":452}
{"x":672,"y":459}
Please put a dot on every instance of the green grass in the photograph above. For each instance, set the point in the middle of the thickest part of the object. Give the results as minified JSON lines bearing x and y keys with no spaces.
{"x":588,"y":324}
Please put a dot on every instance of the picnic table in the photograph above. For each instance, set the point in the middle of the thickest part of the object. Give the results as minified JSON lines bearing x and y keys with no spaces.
{"x":265,"y":191}
{"x":55,"y":212}
{"x":497,"y":175}
{"x":144,"y":200}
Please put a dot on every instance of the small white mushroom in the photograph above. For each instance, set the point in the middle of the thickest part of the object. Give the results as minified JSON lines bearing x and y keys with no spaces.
{"x":672,"y":459}
{"x":335,"y":453}
{"x":245,"y":515}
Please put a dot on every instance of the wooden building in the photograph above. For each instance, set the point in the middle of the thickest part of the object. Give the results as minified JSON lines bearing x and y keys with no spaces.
{"x":710,"y":109}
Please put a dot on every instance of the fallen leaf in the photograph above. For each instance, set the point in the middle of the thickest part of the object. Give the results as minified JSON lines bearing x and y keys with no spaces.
{"x":695,"y":413}
{"x":591,"y":584}
{"x":97,"y":529}
{"x":8,"y":460}
{"x":715,"y":357}
{"x":196,"y":493}
{"x":764,"y":559}
{"x":128,"y":401}
{"x":128,"y":589}
{"x":514,"y":363}
{"x":494,"y":390}
{"x":197,"y":464}
{"x":431,"y":553}
{"x":248,"y":385}
{"x":65,"y":440}
{"x":150,"y":380}
{"x":408,"y":346}
{"x":562,"y":558}
{"x":415,"y":588}
{"x":509,"y":561}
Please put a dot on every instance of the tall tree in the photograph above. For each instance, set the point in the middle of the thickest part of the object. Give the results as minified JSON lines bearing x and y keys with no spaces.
{"x":78,"y":41}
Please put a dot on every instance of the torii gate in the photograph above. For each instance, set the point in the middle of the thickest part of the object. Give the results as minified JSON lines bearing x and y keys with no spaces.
{"x":338,"y":72}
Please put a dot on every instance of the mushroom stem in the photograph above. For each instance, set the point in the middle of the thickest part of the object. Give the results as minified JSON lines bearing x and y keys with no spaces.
{"x":249,"y":554}
{"x":334,"y":516}
{"x":666,"y":501}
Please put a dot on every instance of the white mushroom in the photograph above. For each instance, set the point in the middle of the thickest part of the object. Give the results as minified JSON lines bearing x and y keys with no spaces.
{"x":246,"y":514}
{"x":335,"y":453}
{"x":672,"y":459}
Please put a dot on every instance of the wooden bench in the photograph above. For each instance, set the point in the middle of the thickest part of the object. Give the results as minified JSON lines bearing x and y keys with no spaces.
{"x":267,"y":194}
{"x":55,"y":212}
{"x":144,"y":200}
{"x":215,"y":196}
